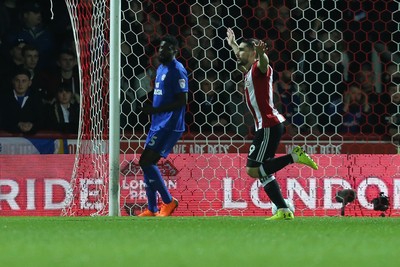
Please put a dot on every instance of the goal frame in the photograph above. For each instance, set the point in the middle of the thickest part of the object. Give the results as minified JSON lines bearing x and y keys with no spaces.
{"x":115,"y":82}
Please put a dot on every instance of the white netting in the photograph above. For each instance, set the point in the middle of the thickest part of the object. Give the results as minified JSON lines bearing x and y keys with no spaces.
{"x":89,"y":190}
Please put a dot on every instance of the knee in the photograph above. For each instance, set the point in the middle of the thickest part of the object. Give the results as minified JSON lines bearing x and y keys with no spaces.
{"x":143,"y":162}
{"x":146,"y":182}
{"x":253,"y":172}
{"x":148,"y":158}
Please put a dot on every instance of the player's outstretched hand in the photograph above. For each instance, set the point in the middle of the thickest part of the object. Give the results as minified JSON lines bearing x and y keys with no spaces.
{"x":230,"y":36}
{"x":261,"y":47}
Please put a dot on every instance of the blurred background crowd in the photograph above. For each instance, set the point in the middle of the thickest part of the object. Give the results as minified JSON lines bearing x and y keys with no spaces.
{"x":336,"y":64}
{"x":39,"y":81}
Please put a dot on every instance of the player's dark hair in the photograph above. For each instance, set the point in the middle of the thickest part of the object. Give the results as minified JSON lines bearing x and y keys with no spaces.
{"x":169,"y":39}
{"x":250,"y":42}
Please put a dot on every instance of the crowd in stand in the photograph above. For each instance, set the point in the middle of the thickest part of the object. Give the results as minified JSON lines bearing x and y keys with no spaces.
{"x":336,"y":67}
{"x":39,"y":82}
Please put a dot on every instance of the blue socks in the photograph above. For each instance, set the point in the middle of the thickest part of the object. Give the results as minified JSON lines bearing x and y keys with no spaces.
{"x":155,"y":183}
{"x":151,"y":196}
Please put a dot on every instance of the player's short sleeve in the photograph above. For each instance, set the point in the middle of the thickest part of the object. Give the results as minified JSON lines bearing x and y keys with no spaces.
{"x":182,"y":79}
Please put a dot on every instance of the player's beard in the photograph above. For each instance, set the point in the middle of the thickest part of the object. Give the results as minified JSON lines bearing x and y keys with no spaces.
{"x":165,"y":60}
{"x":242,"y":63}
{"x":161,"y":58}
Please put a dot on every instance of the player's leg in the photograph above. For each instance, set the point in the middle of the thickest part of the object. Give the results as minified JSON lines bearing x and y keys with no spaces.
{"x":169,"y":140}
{"x":271,"y":139}
{"x":159,"y":144}
{"x":147,"y":162}
{"x":151,"y":194}
{"x":268,"y":146}
{"x":262,"y":154}
{"x":301,"y":157}
{"x":261,"y":158}
{"x":155,"y":183}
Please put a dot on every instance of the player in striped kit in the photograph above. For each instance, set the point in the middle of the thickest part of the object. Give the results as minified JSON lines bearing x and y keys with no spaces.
{"x":261,"y":162}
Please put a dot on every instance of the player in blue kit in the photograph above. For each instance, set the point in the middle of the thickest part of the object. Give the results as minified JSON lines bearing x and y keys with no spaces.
{"x":167,"y":125}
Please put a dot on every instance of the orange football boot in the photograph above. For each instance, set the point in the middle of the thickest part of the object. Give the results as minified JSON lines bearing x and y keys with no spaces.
{"x":168,"y":209}
{"x":148,"y":213}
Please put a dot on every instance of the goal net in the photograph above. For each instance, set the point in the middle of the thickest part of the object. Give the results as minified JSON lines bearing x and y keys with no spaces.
{"x":336,"y":76}
{"x":88,"y":193}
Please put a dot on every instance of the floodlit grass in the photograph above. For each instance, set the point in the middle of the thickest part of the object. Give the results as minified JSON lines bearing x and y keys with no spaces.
{"x":199,"y":241}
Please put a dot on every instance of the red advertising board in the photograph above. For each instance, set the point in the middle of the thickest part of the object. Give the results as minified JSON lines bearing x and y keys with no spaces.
{"x":34,"y":184}
{"x":207,"y":184}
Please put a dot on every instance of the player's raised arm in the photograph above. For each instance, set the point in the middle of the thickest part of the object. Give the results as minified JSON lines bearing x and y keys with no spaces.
{"x":231,"y":39}
{"x":261,"y":49}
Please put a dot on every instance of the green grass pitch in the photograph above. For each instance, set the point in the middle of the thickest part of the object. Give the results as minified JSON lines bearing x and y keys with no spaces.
{"x":199,"y":241}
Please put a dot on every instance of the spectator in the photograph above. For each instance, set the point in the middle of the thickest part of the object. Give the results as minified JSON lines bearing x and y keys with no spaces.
{"x":209,"y":107}
{"x":12,"y":60}
{"x":24,"y":110}
{"x":365,"y":79}
{"x":390,"y":74}
{"x":136,"y":91}
{"x":393,"y":110}
{"x":66,"y":72}
{"x":8,"y":21}
{"x":151,"y":35}
{"x":31,"y":57}
{"x":355,"y":109}
{"x":386,"y":116}
{"x":63,"y":113}
{"x":190,"y":50}
{"x":287,"y":101}
{"x":35,"y":33}
{"x":321,"y":58}
{"x":143,"y":82}
{"x":241,"y":118}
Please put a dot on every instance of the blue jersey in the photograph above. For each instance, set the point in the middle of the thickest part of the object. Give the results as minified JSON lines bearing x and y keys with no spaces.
{"x":170,"y":80}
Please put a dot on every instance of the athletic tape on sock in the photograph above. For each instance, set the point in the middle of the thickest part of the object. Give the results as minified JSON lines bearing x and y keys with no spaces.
{"x":262,"y":172}
{"x":267,"y":179}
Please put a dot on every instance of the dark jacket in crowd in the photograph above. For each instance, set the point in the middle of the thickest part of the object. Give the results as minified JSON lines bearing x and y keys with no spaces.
{"x":56,"y":122}
{"x":13,"y":112}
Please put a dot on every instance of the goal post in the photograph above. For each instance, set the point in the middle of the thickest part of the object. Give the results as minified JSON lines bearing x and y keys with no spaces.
{"x":96,"y":27}
{"x":115,"y":85}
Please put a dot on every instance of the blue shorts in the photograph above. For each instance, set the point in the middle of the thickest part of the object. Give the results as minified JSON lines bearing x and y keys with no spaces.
{"x":162,"y":141}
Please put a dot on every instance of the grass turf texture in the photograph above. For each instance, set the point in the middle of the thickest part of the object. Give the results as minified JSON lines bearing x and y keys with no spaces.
{"x":199,"y":241}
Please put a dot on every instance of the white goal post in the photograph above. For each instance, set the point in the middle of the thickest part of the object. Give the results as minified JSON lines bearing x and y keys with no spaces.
{"x":115,"y":84}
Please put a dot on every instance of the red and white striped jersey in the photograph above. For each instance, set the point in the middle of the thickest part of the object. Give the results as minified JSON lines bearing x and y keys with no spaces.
{"x":259,"y":97}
